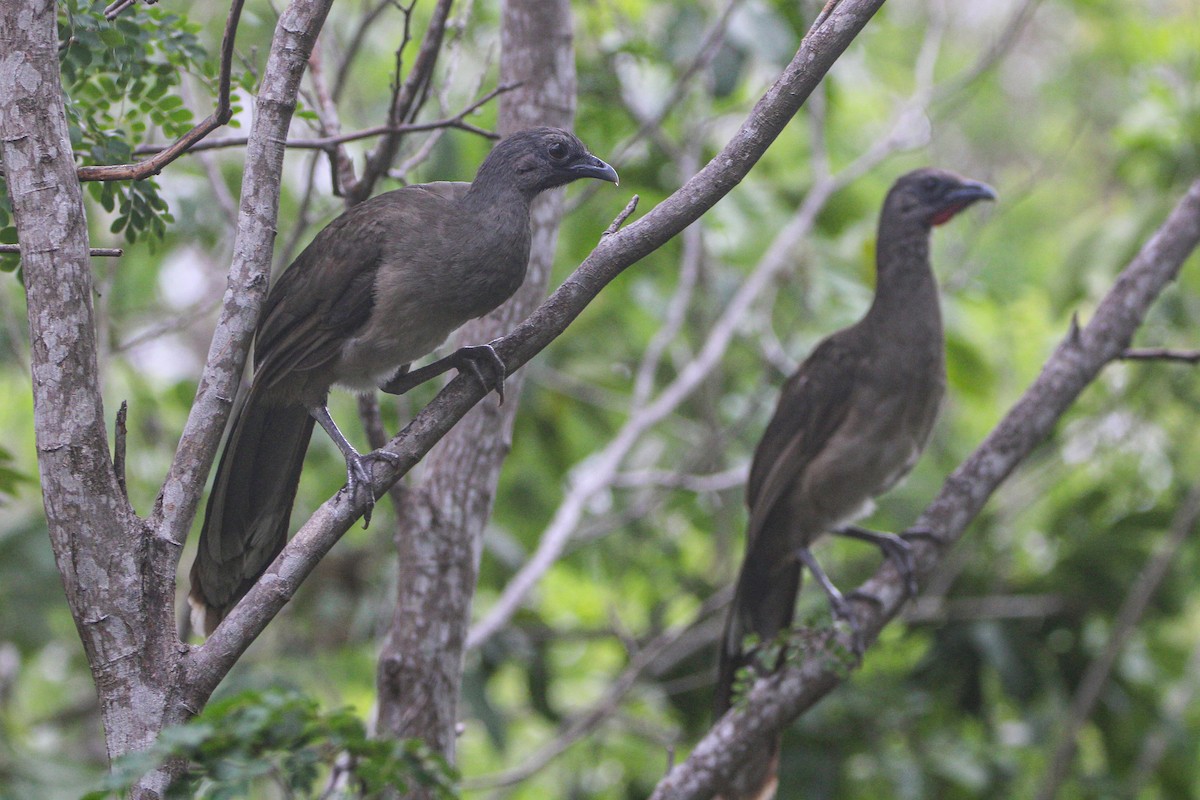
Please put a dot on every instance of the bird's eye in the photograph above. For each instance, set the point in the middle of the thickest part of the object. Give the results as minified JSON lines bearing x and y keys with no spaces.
{"x":929,"y":184}
{"x":558,"y":151}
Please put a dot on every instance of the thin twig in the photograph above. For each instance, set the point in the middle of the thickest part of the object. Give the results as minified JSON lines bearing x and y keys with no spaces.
{"x":406,"y":102}
{"x":1161,"y":354}
{"x":221,"y":115}
{"x":327,"y":142}
{"x":668,"y":479}
{"x":108,"y":252}
{"x":114,"y":9}
{"x":630,"y":207}
{"x":120,"y":432}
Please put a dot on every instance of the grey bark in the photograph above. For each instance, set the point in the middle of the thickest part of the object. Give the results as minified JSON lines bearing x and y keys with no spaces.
{"x":118,"y":570}
{"x":100,"y":546}
{"x":441,"y":524}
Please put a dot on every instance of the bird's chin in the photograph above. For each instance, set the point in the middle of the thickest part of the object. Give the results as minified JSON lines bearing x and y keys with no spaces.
{"x":946,"y":214}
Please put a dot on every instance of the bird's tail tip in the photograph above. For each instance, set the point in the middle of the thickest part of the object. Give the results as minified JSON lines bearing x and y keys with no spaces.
{"x":204,"y":618}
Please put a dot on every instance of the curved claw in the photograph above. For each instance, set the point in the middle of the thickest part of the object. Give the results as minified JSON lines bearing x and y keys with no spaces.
{"x":359,"y":477}
{"x":894,"y":547}
{"x":473,"y":356}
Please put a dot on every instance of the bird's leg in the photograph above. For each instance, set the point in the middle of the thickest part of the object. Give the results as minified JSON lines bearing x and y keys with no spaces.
{"x":465,"y":358}
{"x":893,"y":547}
{"x":358,"y":476}
{"x":837,"y":603}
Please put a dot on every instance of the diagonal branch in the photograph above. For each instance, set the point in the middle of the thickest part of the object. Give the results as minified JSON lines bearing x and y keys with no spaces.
{"x":821,"y":47}
{"x":220,"y":115}
{"x":602,"y":467}
{"x":773,"y":702}
{"x":295,"y":35}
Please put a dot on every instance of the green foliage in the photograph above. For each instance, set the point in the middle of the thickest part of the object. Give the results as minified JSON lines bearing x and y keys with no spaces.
{"x":121,"y":79}
{"x":1089,"y":128}
{"x":239,"y":746}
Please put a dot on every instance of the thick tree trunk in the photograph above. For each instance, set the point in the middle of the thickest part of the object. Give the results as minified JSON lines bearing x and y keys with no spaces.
{"x":111,"y":568}
{"x":439,"y":535}
{"x":118,"y":571}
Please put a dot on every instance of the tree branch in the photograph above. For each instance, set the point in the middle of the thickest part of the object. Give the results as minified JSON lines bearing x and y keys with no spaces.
{"x":1161,"y":354}
{"x":774,"y":701}
{"x":111,"y":252}
{"x":206,"y":665}
{"x":221,"y":115}
{"x":329,"y":142}
{"x":405,"y":103}
{"x":249,"y":273}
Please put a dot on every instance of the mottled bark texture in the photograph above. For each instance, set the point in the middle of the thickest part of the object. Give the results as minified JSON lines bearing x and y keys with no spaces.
{"x":118,"y":571}
{"x":114,"y":571}
{"x":442,"y":521}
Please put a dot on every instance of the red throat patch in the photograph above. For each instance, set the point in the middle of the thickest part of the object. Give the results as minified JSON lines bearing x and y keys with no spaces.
{"x":946,"y":214}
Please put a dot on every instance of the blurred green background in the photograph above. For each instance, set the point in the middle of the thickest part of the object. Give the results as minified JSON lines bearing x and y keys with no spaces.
{"x":1084,"y":114}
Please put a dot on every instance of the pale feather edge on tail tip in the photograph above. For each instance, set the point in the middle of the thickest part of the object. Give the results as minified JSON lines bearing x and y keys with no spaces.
{"x":199,"y":616}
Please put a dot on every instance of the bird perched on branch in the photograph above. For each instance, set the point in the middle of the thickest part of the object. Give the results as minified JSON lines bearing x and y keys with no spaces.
{"x":381,"y":286}
{"x":850,"y":423}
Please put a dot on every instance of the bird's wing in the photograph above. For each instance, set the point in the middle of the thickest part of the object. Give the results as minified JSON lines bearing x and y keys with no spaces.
{"x":813,"y":404}
{"x":328,"y":292}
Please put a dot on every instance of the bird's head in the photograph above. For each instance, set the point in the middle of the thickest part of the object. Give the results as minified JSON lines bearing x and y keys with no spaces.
{"x":538,"y":159}
{"x":931,"y":196}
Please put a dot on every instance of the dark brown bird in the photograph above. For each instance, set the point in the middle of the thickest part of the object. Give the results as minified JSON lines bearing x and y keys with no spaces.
{"x":381,"y":286}
{"x":850,"y":423}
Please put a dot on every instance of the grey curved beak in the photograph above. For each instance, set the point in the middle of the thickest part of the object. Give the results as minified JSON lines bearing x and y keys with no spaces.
{"x":592,"y":167}
{"x":970,"y":192}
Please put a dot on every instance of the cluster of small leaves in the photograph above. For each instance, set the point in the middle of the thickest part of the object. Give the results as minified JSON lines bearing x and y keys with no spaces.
{"x":241,"y":745}
{"x":790,"y":647}
{"x":121,"y":79}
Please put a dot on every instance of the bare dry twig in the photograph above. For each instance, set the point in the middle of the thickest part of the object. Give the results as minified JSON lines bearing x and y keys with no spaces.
{"x":328,"y":142}
{"x":1161,"y":354}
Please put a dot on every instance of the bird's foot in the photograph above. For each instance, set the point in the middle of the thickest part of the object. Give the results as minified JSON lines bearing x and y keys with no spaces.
{"x":837,"y":602}
{"x":477,"y":358}
{"x":360,"y":479}
{"x":893,"y":547}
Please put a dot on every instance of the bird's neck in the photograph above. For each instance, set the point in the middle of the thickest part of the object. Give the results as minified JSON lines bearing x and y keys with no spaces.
{"x":905,"y":287}
{"x":494,"y":183}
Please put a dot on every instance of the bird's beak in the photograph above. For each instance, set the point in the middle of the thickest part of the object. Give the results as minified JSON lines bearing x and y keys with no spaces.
{"x":958,"y":198}
{"x":591,"y":167}
{"x":970,"y":192}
